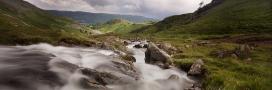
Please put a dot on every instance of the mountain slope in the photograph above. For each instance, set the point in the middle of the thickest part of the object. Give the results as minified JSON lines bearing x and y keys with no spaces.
{"x":232,"y":37}
{"x":221,"y":17}
{"x":119,"y":26}
{"x":23,"y":23}
{"x":92,"y":18}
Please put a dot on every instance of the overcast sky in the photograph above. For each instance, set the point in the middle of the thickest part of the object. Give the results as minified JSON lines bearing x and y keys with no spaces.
{"x":149,"y":8}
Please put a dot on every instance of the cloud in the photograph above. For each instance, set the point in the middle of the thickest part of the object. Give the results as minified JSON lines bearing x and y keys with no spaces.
{"x":148,"y":8}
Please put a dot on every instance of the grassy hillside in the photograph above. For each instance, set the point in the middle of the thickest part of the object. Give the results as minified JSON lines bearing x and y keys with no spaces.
{"x":230,"y":17}
{"x":119,"y":26}
{"x":23,"y":23}
{"x":218,"y":33}
{"x":94,"y":18}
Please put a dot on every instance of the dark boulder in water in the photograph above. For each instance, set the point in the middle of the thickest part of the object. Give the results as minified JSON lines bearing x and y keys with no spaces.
{"x":138,"y":46}
{"x":156,"y":56}
{"x":173,"y":77}
{"x":145,"y":46}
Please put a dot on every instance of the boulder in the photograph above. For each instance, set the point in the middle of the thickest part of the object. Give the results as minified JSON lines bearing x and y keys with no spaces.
{"x":222,"y":53}
{"x":197,"y":68}
{"x":91,"y":84}
{"x":126,"y":69}
{"x":173,"y":77}
{"x":168,"y":48}
{"x":243,"y":51}
{"x":145,"y":46}
{"x":100,"y":78}
{"x":129,"y":58}
{"x":95,"y":80}
{"x":187,"y":46}
{"x":126,"y":42}
{"x":104,"y":45}
{"x":138,"y":46}
{"x":156,"y":56}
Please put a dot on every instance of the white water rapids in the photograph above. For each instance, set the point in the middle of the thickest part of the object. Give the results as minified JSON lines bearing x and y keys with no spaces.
{"x":34,"y":67}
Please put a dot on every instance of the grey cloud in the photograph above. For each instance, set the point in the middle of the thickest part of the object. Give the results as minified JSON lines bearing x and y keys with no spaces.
{"x":148,"y":8}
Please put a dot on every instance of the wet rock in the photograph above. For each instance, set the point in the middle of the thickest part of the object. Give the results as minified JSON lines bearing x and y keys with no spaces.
{"x":156,"y":56}
{"x":121,"y":53}
{"x":26,"y":70}
{"x":126,"y":42}
{"x":173,"y":77}
{"x":127,"y":69}
{"x":145,"y":46}
{"x":138,"y":46}
{"x":128,"y":58}
{"x":197,"y":68}
{"x":91,"y":84}
{"x":196,"y":88}
{"x":120,"y":68}
{"x":98,"y":80}
{"x":62,"y":64}
{"x":105,"y":45}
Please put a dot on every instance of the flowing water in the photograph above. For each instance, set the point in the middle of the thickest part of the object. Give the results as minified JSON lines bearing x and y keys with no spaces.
{"x":43,"y":67}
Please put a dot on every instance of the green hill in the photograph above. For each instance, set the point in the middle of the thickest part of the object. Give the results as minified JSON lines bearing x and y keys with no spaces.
{"x":218,"y":34}
{"x":119,"y":26}
{"x":221,"y":17}
{"x":94,"y":18}
{"x":23,"y":23}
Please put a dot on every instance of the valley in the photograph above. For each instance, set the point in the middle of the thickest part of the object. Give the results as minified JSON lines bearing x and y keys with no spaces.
{"x":224,"y":45}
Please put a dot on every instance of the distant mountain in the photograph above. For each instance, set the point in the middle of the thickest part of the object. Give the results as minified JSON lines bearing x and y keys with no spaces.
{"x":93,"y":18}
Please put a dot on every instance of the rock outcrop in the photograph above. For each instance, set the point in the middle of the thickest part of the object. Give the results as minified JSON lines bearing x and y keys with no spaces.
{"x":127,"y":42}
{"x":241,"y":52}
{"x":197,"y":68}
{"x":168,"y":48}
{"x":156,"y":56}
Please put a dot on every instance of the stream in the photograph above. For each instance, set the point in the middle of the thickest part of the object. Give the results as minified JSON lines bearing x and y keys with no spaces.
{"x":47,"y":67}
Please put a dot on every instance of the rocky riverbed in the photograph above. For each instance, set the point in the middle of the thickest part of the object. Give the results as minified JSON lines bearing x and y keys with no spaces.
{"x":47,"y":67}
